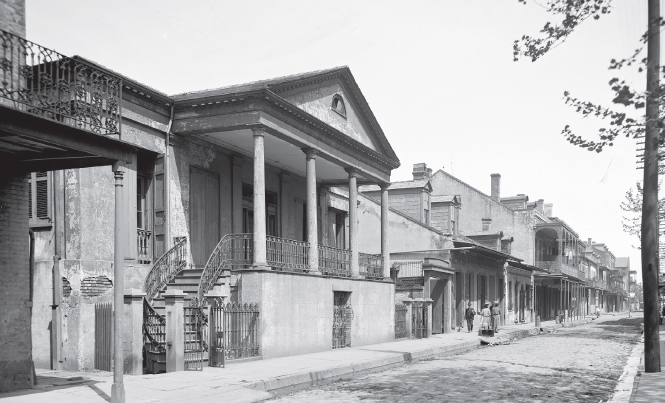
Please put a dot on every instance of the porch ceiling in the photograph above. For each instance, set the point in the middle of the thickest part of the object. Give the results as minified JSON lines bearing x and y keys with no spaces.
{"x":279,"y":153}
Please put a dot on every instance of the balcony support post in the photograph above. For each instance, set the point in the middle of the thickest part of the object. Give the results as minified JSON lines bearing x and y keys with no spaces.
{"x":259,"y":236}
{"x":236,"y":194}
{"x":312,"y":230}
{"x":118,"y":387}
{"x":385,"y":229}
{"x":353,"y":221}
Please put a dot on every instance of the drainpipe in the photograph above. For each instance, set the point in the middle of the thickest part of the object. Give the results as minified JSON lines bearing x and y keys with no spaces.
{"x":167,"y":204}
{"x":33,"y":376}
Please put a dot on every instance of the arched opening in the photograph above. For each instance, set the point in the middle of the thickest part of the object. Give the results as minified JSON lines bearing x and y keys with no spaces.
{"x":338,"y":105}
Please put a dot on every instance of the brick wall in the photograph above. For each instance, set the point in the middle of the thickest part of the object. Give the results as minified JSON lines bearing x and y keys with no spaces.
{"x":408,"y":204}
{"x":440,"y":217}
{"x":12,"y":16}
{"x":15,"y":338}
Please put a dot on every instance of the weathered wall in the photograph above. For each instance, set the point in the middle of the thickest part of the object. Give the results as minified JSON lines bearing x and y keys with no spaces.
{"x":297,"y":311}
{"x":15,"y":289}
{"x":405,"y":234}
{"x":12,"y":17}
{"x":477,"y":205}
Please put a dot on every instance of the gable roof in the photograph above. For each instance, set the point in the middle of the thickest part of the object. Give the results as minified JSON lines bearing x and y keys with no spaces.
{"x":284,"y":83}
{"x":444,"y":199}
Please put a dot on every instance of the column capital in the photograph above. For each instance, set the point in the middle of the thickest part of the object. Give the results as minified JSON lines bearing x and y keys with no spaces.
{"x":353,"y":172}
{"x":259,"y":131}
{"x":237,"y":160}
{"x":310,"y":152}
{"x":384,"y":185}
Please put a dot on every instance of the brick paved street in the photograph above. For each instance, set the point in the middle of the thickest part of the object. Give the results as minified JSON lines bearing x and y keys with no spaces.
{"x":580,"y":364}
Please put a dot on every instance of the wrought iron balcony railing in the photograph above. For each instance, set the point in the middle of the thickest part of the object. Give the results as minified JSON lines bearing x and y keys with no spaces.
{"x":45,"y":83}
{"x":558,"y":267}
{"x":409,"y":268}
{"x":334,"y":261}
{"x":371,"y":266}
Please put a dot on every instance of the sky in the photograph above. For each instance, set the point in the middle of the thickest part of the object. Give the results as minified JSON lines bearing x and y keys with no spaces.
{"x":439,"y":76}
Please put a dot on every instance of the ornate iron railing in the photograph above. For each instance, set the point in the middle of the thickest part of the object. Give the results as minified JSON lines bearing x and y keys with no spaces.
{"x":143,"y":245}
{"x":234,"y":251}
{"x":234,"y":332}
{"x":409,"y":268}
{"x":400,"y":321}
{"x":287,"y":254}
{"x":371,"y":266}
{"x":45,"y":83}
{"x":166,"y":268}
{"x":334,"y":261}
{"x":193,"y":336}
{"x":419,"y":316}
{"x":154,"y":336}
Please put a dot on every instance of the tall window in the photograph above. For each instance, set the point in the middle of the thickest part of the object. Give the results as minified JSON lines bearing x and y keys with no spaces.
{"x":39,"y":199}
{"x":248,"y":211}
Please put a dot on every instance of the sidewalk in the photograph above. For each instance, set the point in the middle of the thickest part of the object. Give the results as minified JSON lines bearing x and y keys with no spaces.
{"x":251,"y":381}
{"x":650,"y":387}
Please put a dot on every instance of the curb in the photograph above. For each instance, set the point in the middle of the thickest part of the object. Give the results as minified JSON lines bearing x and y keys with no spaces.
{"x":291,"y":383}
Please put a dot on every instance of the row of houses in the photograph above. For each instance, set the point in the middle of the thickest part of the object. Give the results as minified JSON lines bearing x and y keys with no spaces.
{"x":274,"y":193}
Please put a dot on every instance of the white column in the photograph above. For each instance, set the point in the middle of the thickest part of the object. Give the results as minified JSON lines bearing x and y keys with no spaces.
{"x":353,"y":221}
{"x":312,"y":232}
{"x":259,"y":235}
{"x":385,"y":227}
{"x":118,"y":387}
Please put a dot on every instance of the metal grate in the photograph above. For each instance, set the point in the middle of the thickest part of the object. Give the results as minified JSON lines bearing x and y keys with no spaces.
{"x":400,"y":321}
{"x":104,"y":336}
{"x":419,"y":320}
{"x":342,"y":319}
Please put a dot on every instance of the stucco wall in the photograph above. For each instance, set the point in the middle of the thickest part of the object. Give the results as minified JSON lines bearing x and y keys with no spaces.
{"x":477,"y":205}
{"x":404,"y":234}
{"x":297,"y":311}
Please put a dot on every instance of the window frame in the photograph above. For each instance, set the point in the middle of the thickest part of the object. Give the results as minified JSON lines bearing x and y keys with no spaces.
{"x":339,"y":99}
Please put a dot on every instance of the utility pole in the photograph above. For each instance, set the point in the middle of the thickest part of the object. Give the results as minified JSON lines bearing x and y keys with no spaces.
{"x":650,"y":227}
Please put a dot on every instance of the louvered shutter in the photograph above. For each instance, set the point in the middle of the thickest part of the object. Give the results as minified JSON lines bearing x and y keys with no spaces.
{"x":39,"y":198}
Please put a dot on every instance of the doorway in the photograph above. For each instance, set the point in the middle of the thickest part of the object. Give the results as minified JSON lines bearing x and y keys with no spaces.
{"x":437,"y":288}
{"x":203,"y":213}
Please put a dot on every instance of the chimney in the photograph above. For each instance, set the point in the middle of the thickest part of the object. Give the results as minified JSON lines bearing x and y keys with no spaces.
{"x":548,"y":209}
{"x":429,"y":173}
{"x":496,"y":186}
{"x":539,"y":206}
{"x":419,"y":171}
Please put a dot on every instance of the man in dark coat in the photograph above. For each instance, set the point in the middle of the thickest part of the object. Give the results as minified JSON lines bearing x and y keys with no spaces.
{"x":469,"y":314}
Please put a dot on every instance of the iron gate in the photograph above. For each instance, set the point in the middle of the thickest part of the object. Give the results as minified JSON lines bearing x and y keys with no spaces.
{"x":234,"y":332}
{"x":400,"y":321}
{"x":342,"y":319}
{"x":103,"y":336}
{"x":419,"y":320}
{"x":194,"y":322}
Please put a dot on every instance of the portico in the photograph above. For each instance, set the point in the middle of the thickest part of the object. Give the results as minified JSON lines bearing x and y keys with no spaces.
{"x":287,"y":142}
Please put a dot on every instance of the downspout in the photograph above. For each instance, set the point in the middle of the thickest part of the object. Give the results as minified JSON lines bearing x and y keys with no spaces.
{"x":33,"y":375}
{"x":167,"y":165}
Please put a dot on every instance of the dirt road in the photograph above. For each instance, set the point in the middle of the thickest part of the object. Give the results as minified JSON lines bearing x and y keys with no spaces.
{"x":580,"y":364}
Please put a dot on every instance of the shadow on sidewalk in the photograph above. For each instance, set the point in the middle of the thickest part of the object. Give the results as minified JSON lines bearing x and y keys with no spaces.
{"x":47,"y":384}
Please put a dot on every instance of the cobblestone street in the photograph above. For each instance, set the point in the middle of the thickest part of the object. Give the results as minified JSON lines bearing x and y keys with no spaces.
{"x":580,"y":364}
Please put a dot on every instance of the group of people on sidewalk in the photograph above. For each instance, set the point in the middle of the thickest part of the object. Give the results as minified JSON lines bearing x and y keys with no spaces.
{"x":489,"y":316}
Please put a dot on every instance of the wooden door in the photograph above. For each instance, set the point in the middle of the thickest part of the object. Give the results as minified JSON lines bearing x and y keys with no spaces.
{"x":203,"y":214}
{"x":436,"y":293}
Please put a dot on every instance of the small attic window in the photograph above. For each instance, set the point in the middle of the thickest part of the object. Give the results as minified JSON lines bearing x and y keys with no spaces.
{"x":338,"y":105}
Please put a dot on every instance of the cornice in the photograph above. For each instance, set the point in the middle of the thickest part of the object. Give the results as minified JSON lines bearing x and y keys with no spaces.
{"x":307,"y":123}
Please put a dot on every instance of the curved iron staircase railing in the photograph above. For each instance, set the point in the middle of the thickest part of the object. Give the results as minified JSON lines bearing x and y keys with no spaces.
{"x":154,"y":337}
{"x":166,"y":268}
{"x":232,"y":250}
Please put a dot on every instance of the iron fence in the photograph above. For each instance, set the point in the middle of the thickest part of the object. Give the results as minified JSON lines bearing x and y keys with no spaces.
{"x":43,"y":82}
{"x":334,"y":261}
{"x":371,"y":266}
{"x":193,"y":328}
{"x":166,"y":268}
{"x":419,"y":320}
{"x":154,"y":336}
{"x":287,"y":254}
{"x":234,"y":332}
{"x":400,"y":321}
{"x":104,"y":336}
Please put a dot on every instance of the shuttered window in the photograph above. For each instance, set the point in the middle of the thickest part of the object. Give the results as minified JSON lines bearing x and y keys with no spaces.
{"x":39,"y":199}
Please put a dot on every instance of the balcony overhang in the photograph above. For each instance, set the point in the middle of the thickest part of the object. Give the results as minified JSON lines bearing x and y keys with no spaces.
{"x":32,"y":143}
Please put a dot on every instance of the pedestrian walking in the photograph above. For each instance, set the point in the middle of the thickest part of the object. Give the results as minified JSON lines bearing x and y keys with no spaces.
{"x":469,"y":314}
{"x":598,"y":312}
{"x":496,"y":314}
{"x":486,"y":316}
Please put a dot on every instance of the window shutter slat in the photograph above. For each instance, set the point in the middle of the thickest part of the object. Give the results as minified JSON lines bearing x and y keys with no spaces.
{"x":30,"y":198}
{"x":42,"y":199}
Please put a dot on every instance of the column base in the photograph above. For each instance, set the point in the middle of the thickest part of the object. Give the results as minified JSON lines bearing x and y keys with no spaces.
{"x":260,"y":266}
{"x":118,"y":393}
